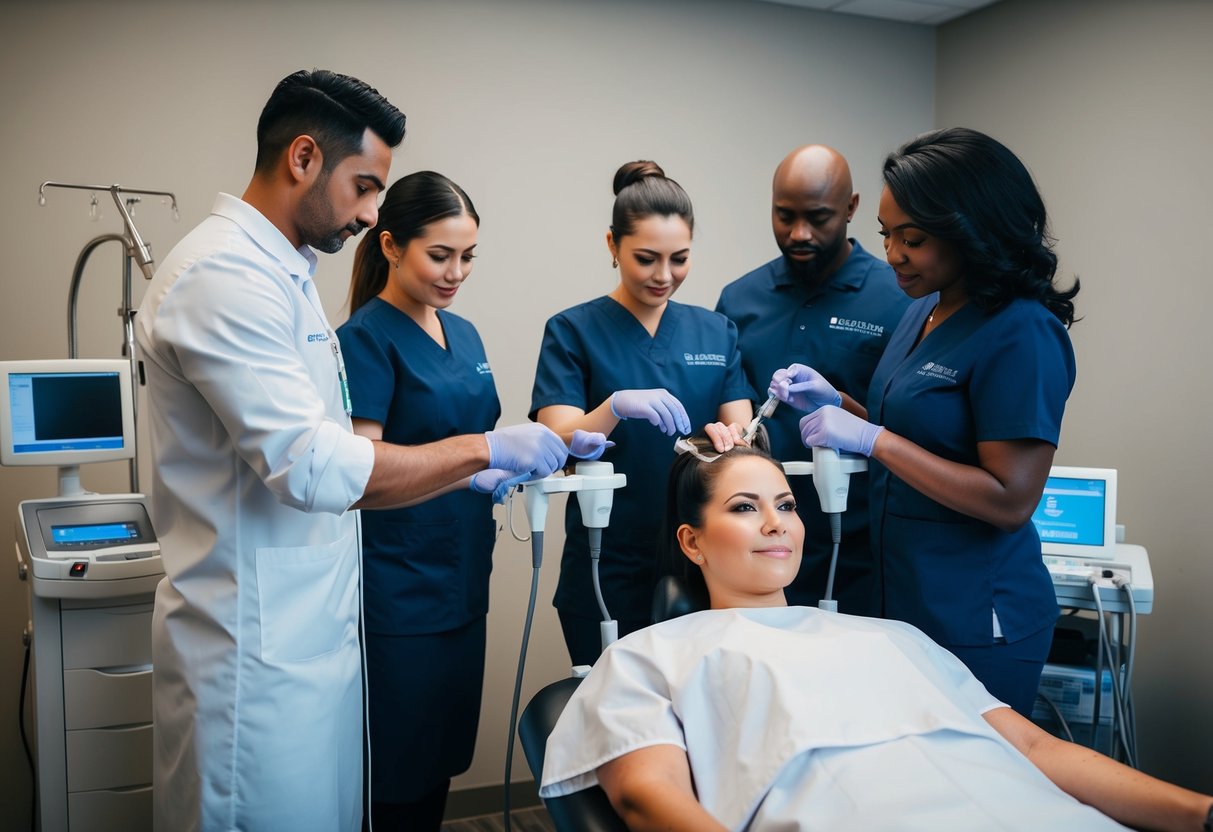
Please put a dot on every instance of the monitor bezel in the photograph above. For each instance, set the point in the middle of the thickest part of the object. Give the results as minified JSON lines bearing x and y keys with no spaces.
{"x":1074,"y":550}
{"x":66,"y":459}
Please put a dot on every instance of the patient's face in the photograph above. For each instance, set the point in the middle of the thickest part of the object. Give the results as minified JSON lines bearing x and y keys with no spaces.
{"x":751,"y":536}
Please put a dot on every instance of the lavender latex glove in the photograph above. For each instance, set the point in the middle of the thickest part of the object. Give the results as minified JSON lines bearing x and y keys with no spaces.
{"x":657,"y":406}
{"x":588,"y":444}
{"x":530,"y":448}
{"x":833,"y":427}
{"x":497,"y":482}
{"x":803,"y":388}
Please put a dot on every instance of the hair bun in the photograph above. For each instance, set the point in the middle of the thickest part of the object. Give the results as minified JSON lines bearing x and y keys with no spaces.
{"x":633,"y":172}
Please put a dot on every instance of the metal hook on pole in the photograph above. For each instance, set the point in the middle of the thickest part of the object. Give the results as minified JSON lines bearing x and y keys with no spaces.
{"x":135,"y":249}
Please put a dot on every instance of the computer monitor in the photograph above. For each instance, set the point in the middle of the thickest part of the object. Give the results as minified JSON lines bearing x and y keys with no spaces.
{"x":66,"y":412}
{"x":1077,"y":513}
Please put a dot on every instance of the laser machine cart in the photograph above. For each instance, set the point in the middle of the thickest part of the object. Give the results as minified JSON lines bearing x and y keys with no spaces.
{"x":92,"y":563}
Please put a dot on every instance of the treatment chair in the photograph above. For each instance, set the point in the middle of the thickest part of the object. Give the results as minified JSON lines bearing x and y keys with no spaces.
{"x":588,"y":810}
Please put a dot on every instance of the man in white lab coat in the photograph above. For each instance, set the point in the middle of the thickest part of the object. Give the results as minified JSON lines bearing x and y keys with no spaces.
{"x":257,"y":682}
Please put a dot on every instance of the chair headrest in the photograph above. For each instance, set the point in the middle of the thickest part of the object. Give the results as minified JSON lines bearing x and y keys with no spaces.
{"x":672,"y":599}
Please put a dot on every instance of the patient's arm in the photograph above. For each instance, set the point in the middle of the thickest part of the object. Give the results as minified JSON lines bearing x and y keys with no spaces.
{"x":1123,"y":793}
{"x":651,"y":789}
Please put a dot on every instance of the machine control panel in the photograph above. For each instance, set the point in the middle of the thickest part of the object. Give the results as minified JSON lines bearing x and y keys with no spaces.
{"x":89,"y":545}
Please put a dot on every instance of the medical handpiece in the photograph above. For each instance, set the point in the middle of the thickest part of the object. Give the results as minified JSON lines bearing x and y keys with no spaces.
{"x":595,"y":506}
{"x":595,"y":483}
{"x":831,"y":473}
{"x":764,"y":413}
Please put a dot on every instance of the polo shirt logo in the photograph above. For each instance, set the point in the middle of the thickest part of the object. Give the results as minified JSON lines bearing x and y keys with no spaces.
{"x":858,"y":327}
{"x":933,"y":370}
{"x":483,"y":368}
{"x":704,"y":359}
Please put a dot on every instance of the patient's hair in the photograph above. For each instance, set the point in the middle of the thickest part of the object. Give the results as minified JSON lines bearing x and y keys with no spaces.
{"x":690,"y":487}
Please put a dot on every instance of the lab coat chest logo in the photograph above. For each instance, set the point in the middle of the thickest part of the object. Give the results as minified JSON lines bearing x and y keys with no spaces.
{"x":317,"y":337}
{"x":866,"y":328}
{"x":483,"y":368}
{"x":938,"y":371}
{"x":704,"y":359}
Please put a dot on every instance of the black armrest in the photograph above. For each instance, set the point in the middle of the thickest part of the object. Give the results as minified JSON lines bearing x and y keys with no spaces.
{"x":585,"y":811}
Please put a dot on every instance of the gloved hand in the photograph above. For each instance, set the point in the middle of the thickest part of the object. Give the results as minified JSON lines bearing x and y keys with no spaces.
{"x":589,"y":445}
{"x":833,"y":427}
{"x":532,"y":449}
{"x":657,"y":406}
{"x":497,"y":482}
{"x":803,"y":388}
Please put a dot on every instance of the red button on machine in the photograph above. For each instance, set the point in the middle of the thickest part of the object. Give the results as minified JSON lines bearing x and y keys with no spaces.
{"x":79,"y":568}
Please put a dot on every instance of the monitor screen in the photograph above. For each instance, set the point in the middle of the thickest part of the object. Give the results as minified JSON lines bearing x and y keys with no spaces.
{"x":1077,"y":513}
{"x":65,"y":412}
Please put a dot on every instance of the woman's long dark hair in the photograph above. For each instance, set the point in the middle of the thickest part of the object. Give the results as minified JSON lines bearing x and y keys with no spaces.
{"x":964,"y":187}
{"x":411,"y":204}
{"x":689,"y":488}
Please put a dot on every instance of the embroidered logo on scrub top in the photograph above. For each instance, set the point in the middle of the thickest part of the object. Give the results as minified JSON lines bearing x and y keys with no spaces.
{"x":859,"y":327}
{"x":314,"y":337}
{"x":483,"y":368}
{"x":933,"y":370}
{"x":704,"y":359}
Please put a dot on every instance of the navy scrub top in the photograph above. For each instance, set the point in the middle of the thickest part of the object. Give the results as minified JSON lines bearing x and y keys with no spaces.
{"x":839,"y":329}
{"x":589,"y":352}
{"x":977,"y":377}
{"x":426,"y":567}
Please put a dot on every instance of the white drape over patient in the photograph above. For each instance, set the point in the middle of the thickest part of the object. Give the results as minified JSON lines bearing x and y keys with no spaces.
{"x":797,"y":719}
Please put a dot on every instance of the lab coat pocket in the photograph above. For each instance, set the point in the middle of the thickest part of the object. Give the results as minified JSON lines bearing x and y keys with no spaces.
{"x":307,"y":599}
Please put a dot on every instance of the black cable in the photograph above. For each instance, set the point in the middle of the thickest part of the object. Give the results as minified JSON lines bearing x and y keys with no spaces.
{"x":536,"y":560}
{"x":1057,"y":717}
{"x":33,"y":795}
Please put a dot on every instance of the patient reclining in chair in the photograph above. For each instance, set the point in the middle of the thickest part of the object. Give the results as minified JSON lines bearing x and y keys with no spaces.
{"x":756,"y":715}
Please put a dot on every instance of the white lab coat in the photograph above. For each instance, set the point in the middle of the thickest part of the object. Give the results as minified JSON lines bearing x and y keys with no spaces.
{"x":256,"y":664}
{"x":797,"y":719}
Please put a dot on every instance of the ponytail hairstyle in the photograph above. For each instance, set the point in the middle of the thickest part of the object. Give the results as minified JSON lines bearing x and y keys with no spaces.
{"x":968,"y":189}
{"x":411,"y":205}
{"x":691,"y":483}
{"x":641,"y":191}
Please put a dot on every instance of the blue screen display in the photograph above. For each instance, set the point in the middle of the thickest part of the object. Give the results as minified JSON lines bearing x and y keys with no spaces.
{"x":94,"y":534}
{"x":65,"y":412}
{"x":1072,"y":511}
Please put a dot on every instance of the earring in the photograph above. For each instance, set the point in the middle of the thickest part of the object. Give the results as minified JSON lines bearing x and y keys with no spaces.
{"x":397,"y":265}
{"x":614,"y":263}
{"x":699,"y":558}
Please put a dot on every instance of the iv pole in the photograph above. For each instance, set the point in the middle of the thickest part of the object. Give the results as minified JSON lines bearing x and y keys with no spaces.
{"x":136,"y":250}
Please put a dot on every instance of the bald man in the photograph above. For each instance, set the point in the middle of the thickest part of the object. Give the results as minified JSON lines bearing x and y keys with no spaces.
{"x":827,"y":303}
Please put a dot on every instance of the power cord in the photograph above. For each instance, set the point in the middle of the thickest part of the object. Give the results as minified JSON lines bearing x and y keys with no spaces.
{"x":1057,"y":717}
{"x":33,"y":772}
{"x":536,"y":539}
{"x":1105,"y":648}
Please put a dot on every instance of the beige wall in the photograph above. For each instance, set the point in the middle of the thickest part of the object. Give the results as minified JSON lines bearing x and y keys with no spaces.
{"x":1109,"y":103}
{"x":530,"y":105}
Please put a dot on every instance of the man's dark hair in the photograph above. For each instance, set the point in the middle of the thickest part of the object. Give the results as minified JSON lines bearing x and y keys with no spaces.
{"x":334,"y":109}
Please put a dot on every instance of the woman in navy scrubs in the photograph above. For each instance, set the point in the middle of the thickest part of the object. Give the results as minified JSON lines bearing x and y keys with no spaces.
{"x":965,"y":406}
{"x":418,"y":373}
{"x":642,"y":369}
